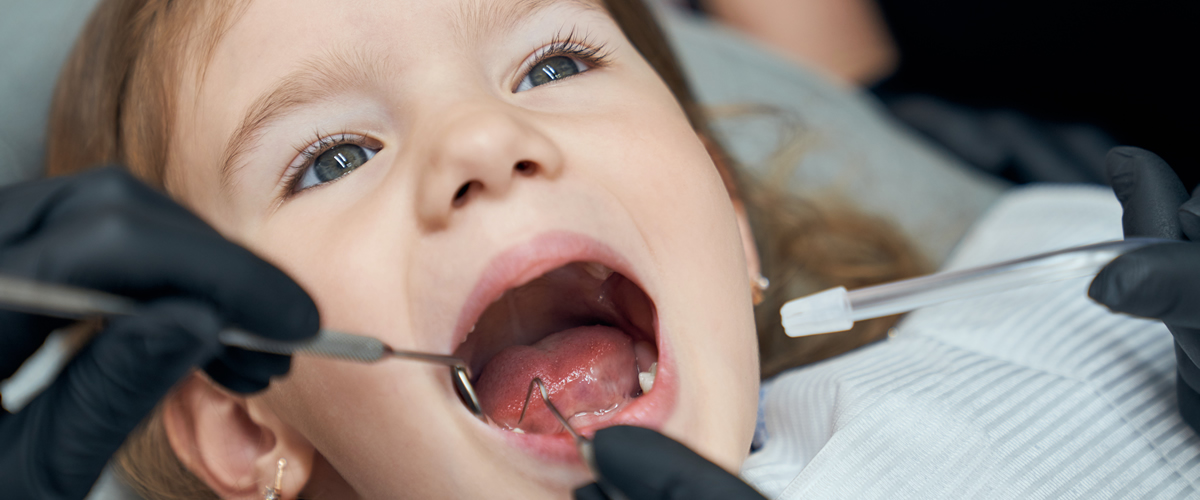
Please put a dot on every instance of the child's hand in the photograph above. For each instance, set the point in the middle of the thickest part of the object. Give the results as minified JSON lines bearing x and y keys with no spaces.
{"x":1160,"y":281}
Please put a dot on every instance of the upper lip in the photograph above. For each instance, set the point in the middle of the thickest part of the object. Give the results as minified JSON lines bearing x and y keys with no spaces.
{"x":527,"y":261}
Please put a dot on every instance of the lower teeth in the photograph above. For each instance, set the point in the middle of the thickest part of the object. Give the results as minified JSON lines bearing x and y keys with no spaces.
{"x":646,"y":379}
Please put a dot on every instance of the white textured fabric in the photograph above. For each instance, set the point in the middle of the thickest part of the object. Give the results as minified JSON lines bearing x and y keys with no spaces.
{"x":1034,"y":393}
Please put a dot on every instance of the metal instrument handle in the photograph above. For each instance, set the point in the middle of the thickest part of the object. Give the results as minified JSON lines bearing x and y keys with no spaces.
{"x":326,"y":343}
{"x":61,"y":301}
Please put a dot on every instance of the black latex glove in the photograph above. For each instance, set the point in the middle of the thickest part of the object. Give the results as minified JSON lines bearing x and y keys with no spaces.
{"x":646,"y":465}
{"x":105,"y":230}
{"x":1161,"y":281}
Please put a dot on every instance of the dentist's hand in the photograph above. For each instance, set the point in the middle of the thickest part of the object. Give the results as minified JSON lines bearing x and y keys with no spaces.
{"x":646,"y":465}
{"x":105,"y":230}
{"x":1160,"y":281}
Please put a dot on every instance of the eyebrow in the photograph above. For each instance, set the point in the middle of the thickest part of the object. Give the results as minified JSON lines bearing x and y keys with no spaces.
{"x":480,"y":17}
{"x":330,"y":74}
{"x":336,"y":72}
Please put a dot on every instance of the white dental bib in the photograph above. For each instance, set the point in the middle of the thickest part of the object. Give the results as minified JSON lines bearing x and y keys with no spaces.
{"x":1035,"y":393}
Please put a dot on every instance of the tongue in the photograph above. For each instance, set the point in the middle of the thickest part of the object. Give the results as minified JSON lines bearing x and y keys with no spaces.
{"x":589,"y":372}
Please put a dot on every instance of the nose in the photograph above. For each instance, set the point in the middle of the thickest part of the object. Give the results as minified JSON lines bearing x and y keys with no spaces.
{"x":479,"y":155}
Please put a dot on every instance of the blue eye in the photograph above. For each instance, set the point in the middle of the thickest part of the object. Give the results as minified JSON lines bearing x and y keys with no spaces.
{"x":334,"y":163}
{"x":551,"y":69}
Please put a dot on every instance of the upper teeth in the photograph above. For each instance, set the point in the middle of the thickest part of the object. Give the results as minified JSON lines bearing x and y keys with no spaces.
{"x":646,"y":379}
{"x":598,"y":271}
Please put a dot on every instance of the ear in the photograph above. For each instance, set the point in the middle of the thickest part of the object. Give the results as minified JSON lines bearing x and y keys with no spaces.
{"x":233,"y":443}
{"x":753,"y":264}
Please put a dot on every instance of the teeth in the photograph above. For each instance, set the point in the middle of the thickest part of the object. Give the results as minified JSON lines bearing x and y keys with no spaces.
{"x":598,"y":271}
{"x":472,"y":330}
{"x":646,"y":379}
{"x":518,"y":430}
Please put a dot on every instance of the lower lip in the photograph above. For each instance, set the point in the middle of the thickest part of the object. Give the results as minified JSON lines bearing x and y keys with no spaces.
{"x":650,"y":410}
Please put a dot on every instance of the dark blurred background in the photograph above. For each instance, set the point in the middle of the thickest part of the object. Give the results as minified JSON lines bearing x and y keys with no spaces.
{"x":1027,"y":90}
{"x":1123,"y":66}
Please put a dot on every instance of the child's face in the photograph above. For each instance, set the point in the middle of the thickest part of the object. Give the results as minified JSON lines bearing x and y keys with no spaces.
{"x":479,"y":175}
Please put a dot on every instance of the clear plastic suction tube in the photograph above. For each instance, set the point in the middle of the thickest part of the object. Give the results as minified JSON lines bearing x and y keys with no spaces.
{"x":836,"y":309}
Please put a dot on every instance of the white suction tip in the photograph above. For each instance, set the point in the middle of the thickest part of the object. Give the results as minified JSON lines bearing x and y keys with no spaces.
{"x":821,"y":312}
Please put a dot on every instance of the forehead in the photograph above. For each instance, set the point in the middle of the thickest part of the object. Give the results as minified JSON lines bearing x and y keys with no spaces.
{"x":264,"y":25}
{"x":275,"y":37}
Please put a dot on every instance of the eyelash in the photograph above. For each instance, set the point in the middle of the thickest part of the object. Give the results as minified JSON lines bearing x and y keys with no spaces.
{"x":572,"y":45}
{"x":318,"y":147}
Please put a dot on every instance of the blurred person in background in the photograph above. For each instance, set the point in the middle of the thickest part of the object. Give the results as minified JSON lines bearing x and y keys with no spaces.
{"x":1027,"y":90}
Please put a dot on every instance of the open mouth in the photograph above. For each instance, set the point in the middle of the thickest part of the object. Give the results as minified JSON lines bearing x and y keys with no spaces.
{"x":586,"y":331}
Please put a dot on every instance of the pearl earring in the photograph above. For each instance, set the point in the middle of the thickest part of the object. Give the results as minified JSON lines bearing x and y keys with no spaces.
{"x":758,"y":287}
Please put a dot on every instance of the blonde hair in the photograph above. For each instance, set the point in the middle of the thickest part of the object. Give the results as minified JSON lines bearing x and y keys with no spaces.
{"x":113,"y":105}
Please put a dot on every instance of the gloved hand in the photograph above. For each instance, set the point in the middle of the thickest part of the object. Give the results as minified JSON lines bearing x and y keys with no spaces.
{"x":646,"y":465}
{"x":105,"y":230}
{"x":1161,"y":281}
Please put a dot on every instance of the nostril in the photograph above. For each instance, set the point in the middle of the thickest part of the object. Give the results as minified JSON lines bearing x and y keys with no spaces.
{"x":460,"y":196}
{"x":526,"y":167}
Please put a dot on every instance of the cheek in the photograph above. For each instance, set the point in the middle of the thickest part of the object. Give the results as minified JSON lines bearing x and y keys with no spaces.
{"x":643,"y":147}
{"x":354,"y":272}
{"x":332,"y":244}
{"x":656,"y":165}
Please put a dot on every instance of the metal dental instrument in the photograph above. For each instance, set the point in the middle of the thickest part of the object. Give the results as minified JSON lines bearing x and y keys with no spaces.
{"x":836,"y":310}
{"x":69,"y":302}
{"x":584,"y":445}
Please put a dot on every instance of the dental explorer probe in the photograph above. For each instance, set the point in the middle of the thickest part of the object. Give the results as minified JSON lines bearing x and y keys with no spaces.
{"x":582,"y":444}
{"x":67,"y":302}
{"x":836,"y":310}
